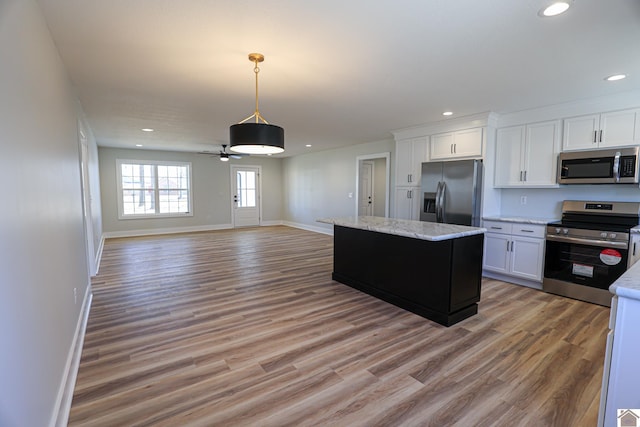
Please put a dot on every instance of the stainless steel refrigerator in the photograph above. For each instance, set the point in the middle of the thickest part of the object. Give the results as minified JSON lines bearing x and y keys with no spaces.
{"x":451,"y":192}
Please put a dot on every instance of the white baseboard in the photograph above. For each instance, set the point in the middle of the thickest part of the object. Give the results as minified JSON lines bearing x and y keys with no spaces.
{"x":270,"y":223}
{"x":316,"y":229}
{"x":60,"y":416}
{"x":171,"y":230}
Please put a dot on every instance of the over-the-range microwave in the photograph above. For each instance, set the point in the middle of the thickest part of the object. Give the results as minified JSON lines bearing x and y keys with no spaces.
{"x":611,"y":166}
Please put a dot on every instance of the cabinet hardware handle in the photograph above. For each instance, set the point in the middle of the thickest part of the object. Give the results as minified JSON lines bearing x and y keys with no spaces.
{"x":507,"y":246}
{"x":526,"y":231}
{"x":595,"y":136}
{"x":634,"y":248}
{"x":451,"y":149}
{"x":520,"y":176}
{"x":455,"y":148}
{"x":408,"y":177}
{"x":496,"y":228}
{"x":525,"y":176}
{"x":512,"y":246}
{"x":600,"y":135}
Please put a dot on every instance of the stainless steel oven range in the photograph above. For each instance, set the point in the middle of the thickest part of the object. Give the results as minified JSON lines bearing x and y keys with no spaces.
{"x":589,"y":249}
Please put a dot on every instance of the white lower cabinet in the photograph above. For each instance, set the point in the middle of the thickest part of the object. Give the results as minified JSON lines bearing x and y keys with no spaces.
{"x":407,"y":203}
{"x":514,"y":249}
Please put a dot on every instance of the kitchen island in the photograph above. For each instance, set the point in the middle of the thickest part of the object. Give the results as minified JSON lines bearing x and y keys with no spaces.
{"x":431,"y":269}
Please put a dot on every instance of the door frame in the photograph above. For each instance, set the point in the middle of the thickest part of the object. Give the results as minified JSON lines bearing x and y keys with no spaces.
{"x":232,"y":175}
{"x":87,"y":214}
{"x":387,"y":157}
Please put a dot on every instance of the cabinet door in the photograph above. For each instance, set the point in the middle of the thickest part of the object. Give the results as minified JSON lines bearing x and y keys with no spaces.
{"x":407,"y":203}
{"x":508,"y":168}
{"x":496,"y":252}
{"x":540,"y":159}
{"x":420,"y":151}
{"x":580,"y":132}
{"x":526,"y":258}
{"x":442,"y":146}
{"x":404,"y":161}
{"x":467,"y":143}
{"x":618,"y":128}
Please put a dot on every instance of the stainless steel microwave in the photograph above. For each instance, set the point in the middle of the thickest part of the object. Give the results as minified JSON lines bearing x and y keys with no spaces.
{"x":611,"y":166}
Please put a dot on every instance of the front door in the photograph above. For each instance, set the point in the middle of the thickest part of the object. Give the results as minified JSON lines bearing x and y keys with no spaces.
{"x":245,"y":181}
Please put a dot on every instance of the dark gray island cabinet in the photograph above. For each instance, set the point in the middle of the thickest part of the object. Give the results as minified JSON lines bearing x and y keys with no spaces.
{"x":433,"y":270}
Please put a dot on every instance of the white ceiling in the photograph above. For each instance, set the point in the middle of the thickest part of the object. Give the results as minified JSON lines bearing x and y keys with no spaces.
{"x":336,"y":72}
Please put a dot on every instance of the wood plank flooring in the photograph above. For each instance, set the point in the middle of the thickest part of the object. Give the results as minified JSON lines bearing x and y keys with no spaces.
{"x":245,"y":327}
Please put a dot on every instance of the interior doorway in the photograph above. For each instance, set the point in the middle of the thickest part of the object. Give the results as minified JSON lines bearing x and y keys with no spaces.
{"x":372,"y":184}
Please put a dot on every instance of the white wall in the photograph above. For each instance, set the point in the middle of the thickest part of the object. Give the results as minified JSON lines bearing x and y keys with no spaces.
{"x":42,"y":248}
{"x":547,"y":203}
{"x":211,"y":191}
{"x":318,"y":184}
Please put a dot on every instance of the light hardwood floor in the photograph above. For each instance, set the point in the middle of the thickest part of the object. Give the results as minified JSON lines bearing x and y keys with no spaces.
{"x":246,"y":327}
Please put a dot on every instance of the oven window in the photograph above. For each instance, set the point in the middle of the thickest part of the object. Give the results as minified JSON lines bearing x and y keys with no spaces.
{"x":592,"y":266}
{"x":587,"y":168}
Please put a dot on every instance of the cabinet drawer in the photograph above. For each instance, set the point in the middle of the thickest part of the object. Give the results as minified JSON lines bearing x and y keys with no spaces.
{"x":498,"y":227}
{"x":528,"y":230}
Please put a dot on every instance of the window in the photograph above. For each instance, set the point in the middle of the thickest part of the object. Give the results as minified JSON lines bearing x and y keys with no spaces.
{"x":246,"y":187}
{"x":151,"y":188}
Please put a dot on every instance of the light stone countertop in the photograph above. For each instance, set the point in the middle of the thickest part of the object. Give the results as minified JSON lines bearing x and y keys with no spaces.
{"x":522,"y":220}
{"x":635,"y":229}
{"x":402,"y":227}
{"x":628,"y":285}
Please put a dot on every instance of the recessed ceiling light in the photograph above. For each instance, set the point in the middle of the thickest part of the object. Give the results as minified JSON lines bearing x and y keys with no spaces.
{"x":147,"y":130}
{"x":138,"y":145}
{"x":308,"y":145}
{"x":555,"y":8}
{"x":615,"y":77}
{"x":447,"y":113}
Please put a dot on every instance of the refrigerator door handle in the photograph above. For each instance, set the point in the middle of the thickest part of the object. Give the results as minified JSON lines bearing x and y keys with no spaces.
{"x":438,"y":189}
{"x":443,"y":192}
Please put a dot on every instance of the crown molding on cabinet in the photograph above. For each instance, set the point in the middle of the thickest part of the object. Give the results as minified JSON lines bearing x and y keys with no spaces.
{"x":619,"y":101}
{"x":458,"y":123}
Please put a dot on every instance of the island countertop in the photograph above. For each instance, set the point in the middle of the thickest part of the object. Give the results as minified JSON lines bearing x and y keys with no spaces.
{"x":406,"y":228}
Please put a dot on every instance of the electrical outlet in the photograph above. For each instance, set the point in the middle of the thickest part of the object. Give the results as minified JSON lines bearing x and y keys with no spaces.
{"x":523,"y":200}
{"x":75,"y":295}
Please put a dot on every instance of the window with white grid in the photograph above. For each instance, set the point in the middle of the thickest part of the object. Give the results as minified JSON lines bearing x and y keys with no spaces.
{"x":152,"y":188}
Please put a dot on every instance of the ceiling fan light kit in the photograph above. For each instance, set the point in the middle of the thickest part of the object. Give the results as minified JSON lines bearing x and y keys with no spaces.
{"x":256,"y":137}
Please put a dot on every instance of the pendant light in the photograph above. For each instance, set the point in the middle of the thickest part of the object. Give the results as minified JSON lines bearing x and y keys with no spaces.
{"x":256,"y":137}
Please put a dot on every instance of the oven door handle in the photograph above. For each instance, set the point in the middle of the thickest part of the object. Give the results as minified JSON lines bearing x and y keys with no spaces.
{"x":589,"y":242}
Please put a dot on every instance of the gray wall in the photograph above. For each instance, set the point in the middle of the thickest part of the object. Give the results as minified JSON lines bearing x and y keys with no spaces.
{"x":42,"y":247}
{"x":211,"y":191}
{"x":318,"y":184}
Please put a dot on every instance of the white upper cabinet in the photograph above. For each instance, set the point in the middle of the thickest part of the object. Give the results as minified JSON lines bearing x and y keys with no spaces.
{"x":614,"y":129}
{"x":410,"y":154}
{"x":527,"y":155}
{"x":453,"y":145}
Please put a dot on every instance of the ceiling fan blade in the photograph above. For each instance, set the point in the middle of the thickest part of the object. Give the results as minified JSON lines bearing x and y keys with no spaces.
{"x":235,"y":156}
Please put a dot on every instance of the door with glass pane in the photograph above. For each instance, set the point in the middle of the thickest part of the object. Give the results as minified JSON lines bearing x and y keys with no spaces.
{"x":245,"y":181}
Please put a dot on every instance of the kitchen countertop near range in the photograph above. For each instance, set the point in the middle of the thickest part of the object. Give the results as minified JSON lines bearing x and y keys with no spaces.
{"x":522,"y":220}
{"x":628,"y":285}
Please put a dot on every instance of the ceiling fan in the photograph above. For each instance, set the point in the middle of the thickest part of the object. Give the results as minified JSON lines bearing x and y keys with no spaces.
{"x":224,"y":155}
